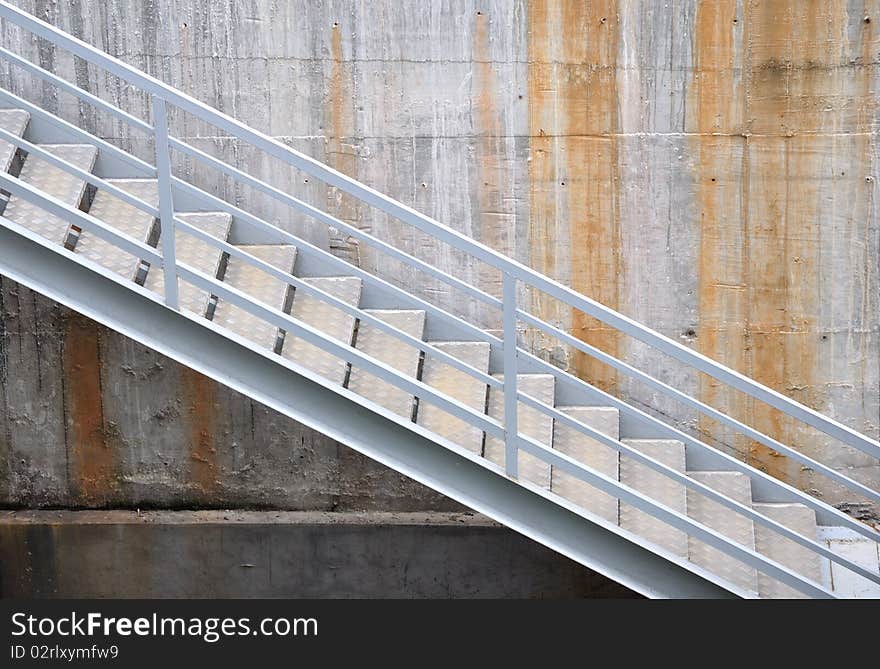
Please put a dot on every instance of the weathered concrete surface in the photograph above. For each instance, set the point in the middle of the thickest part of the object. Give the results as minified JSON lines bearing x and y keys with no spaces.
{"x":706,"y":166}
{"x":275,"y":554}
{"x":93,"y":419}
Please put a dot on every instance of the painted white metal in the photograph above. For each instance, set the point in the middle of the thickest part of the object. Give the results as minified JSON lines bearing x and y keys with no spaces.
{"x":785,"y":551}
{"x":595,"y":455}
{"x":845,"y":582}
{"x":530,"y":422}
{"x":260,"y":286}
{"x":379,"y":344}
{"x":657,"y":487}
{"x":458,"y":385}
{"x":124,"y":218}
{"x":196,"y":253}
{"x":54,"y":182}
{"x":333,"y":322}
{"x":726,"y":521}
{"x":14,"y":122}
{"x":166,"y":203}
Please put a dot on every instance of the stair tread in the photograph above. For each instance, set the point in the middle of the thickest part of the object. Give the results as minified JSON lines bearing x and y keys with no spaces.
{"x":590,"y":452}
{"x":197,"y":254}
{"x":458,"y":385}
{"x":52,"y":181}
{"x":386,"y":348}
{"x":263,"y":287}
{"x":530,"y":422}
{"x":729,"y":523}
{"x":322,"y":316}
{"x":659,"y":488}
{"x":855,"y":548}
{"x":124,"y":218}
{"x":13,"y":121}
{"x":802,"y":520}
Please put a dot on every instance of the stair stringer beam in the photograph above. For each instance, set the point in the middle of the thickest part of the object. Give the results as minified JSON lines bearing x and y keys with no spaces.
{"x":198,"y":344}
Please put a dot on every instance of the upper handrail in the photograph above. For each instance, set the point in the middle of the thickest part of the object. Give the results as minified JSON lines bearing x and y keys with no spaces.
{"x":443,"y":233}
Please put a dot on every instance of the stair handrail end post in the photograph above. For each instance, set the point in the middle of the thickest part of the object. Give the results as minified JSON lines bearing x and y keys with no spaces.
{"x":511,"y":429}
{"x":166,"y":201}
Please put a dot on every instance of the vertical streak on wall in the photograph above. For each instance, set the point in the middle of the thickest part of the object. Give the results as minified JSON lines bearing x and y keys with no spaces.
{"x":200,"y":417}
{"x":341,"y":155}
{"x":796,"y":48}
{"x":715,"y":107}
{"x":92,"y":462}
{"x":495,"y":224}
{"x":574,"y":168}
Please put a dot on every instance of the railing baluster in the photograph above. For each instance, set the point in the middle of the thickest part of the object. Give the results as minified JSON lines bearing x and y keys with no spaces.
{"x":166,"y":201}
{"x":511,"y":432}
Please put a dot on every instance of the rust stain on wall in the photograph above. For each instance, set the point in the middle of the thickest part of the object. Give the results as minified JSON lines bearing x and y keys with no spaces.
{"x":201,"y":424}
{"x":574,"y":177}
{"x":341,"y":155}
{"x":494,"y":225}
{"x":92,"y":461}
{"x":766,"y":150}
{"x":715,"y":107}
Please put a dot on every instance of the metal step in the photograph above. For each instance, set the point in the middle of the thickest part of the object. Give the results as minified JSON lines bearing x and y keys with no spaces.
{"x":590,"y":452}
{"x":854,"y":548}
{"x":458,"y":385}
{"x":124,"y":218}
{"x":728,"y":522}
{"x":802,"y":520}
{"x":530,"y":422}
{"x":55,"y":182}
{"x":197,"y":254}
{"x":393,"y":352}
{"x":329,"y":320}
{"x":13,"y":121}
{"x":658,"y":487}
{"x":262,"y":287}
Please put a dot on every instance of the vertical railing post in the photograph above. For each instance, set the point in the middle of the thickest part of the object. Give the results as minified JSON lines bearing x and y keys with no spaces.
{"x":166,"y":202}
{"x":511,"y":447}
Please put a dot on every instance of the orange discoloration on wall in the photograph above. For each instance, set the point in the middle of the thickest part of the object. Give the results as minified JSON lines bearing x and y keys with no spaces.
{"x":92,"y":462}
{"x":339,"y":124}
{"x":494,"y":225}
{"x":764,"y":148}
{"x":574,"y":179}
{"x":715,"y":107}
{"x":201,"y":420}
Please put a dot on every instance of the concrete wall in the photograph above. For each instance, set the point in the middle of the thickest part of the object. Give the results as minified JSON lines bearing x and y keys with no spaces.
{"x":241,"y":554}
{"x":707,"y":167}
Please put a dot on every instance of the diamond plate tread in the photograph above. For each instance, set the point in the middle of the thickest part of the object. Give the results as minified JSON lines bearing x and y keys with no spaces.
{"x":124,"y":218}
{"x":786,"y":552}
{"x":659,"y":488}
{"x":13,"y":121}
{"x":727,"y":522}
{"x":197,"y":254}
{"x":262,"y":287}
{"x":530,"y":422}
{"x":855,"y":548}
{"x":590,"y":452}
{"x":55,"y":182}
{"x":456,"y":384}
{"x":393,"y":352}
{"x":333,"y":322}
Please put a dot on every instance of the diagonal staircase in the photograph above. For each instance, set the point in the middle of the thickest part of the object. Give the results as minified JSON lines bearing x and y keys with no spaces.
{"x":414,"y":386}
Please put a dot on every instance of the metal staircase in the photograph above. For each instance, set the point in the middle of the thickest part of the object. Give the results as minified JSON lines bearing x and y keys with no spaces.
{"x":468,"y":411}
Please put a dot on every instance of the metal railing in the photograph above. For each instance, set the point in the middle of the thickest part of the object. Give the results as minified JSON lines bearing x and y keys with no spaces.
{"x":513,"y":275}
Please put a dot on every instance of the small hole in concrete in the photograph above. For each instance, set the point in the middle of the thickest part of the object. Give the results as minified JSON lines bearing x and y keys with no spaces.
{"x":691,"y":332}
{"x":563,"y":183}
{"x":335,"y":24}
{"x":867,"y":19}
{"x":824,"y":337}
{"x":714,"y":179}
